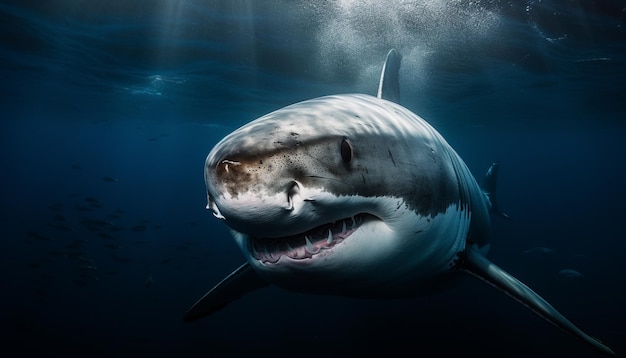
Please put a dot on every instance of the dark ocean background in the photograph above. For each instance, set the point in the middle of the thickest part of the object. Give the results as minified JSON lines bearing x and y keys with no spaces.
{"x":109,"y":109}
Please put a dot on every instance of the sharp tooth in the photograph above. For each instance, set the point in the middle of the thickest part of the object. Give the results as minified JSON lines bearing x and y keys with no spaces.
{"x":274,"y":253}
{"x":329,"y":240}
{"x":343,"y":227}
{"x":309,"y":246}
{"x":268,"y":251}
{"x":265,"y":254}
{"x":353,"y":225}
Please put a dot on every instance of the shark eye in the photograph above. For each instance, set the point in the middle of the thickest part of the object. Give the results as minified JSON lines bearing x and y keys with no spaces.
{"x":346,"y":151}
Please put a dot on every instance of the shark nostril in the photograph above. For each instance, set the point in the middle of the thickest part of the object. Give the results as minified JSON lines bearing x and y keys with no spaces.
{"x":228,"y":169}
{"x":227,"y":164}
{"x":292,"y":194}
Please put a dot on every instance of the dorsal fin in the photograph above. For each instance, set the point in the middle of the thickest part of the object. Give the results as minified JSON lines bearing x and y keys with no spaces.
{"x":389,"y":85}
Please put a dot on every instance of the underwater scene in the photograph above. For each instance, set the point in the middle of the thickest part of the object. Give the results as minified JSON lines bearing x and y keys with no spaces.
{"x":110,"y":233}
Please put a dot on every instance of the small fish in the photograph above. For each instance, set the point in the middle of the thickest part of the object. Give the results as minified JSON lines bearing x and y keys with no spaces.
{"x":75,"y":244}
{"x":79,"y":282}
{"x":149,"y":281}
{"x":538,"y":251}
{"x":56,"y":253}
{"x":138,"y":228}
{"x":37,"y":236}
{"x":95,"y":224}
{"x":84,"y":259}
{"x":121,"y":259}
{"x":571,"y":274}
{"x":75,"y":249}
{"x":82,"y":208}
{"x":115,"y":228}
{"x":107,"y":236}
{"x":56,"y":207}
{"x":62,"y":227}
{"x":87,"y":268}
{"x":110,"y":179}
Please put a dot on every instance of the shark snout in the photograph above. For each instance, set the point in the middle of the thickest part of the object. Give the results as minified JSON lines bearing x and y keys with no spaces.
{"x":292,"y":200}
{"x":253,"y":202}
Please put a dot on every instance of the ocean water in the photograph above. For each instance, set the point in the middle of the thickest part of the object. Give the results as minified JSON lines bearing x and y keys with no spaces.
{"x":109,"y":109}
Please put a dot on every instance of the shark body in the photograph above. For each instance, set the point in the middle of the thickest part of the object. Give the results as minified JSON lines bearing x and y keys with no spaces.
{"x":355,"y":195}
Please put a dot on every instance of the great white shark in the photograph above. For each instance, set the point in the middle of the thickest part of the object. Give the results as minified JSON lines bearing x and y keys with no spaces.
{"x":355,"y":195}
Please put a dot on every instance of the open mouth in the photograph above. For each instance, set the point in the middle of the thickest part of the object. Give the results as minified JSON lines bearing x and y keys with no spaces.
{"x":307,"y":244}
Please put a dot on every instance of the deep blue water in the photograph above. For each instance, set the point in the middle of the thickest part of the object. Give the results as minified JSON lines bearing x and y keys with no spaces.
{"x":110,"y":107}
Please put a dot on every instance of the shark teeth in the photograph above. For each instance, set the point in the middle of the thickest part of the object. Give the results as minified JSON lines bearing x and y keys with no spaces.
{"x":307,"y":244}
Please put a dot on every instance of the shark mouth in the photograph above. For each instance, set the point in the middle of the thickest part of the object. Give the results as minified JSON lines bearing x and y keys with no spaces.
{"x":308,"y":244}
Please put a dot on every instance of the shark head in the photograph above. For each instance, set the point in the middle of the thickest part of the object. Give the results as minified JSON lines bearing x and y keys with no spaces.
{"x":326,"y":196}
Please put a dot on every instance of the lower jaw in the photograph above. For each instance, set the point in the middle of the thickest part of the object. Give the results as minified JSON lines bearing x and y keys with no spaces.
{"x":297,"y":254}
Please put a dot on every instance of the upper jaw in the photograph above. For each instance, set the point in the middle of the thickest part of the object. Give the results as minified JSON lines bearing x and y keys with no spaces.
{"x":311,"y":230}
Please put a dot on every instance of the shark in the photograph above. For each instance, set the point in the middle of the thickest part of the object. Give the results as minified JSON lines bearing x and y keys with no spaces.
{"x":355,"y":195}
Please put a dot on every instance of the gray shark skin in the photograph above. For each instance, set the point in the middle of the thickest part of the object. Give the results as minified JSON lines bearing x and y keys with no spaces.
{"x":355,"y":195}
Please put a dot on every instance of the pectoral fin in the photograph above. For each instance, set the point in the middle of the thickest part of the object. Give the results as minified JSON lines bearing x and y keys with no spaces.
{"x":479,"y":266}
{"x":238,"y":283}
